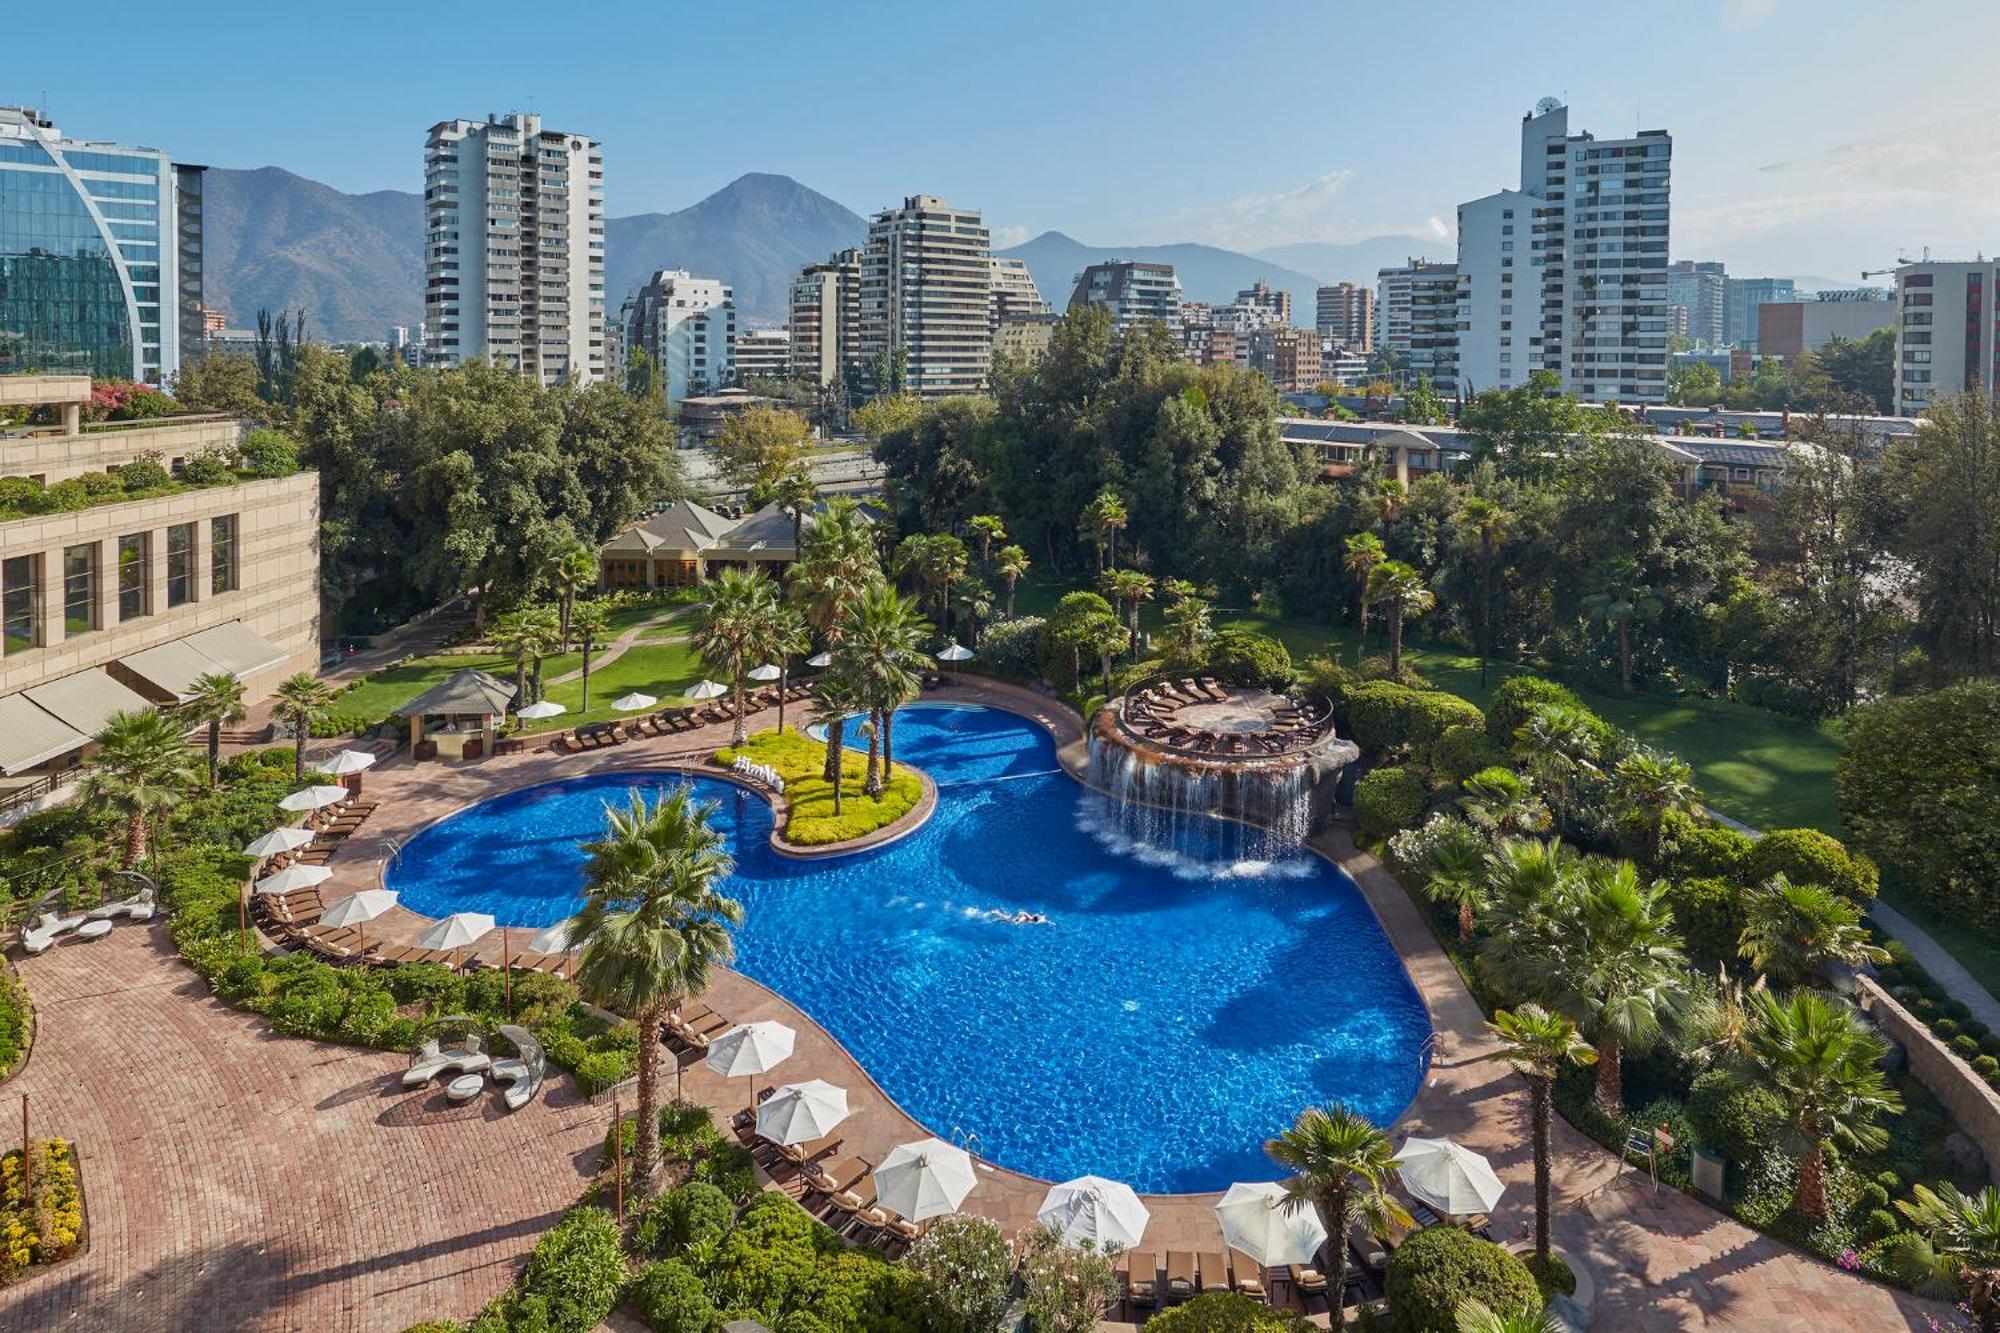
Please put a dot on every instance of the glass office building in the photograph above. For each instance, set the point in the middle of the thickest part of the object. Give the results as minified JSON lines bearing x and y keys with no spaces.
{"x":100,"y":256}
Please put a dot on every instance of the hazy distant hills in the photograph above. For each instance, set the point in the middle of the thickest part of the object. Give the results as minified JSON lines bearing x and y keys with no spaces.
{"x":1358,"y":261}
{"x":1206,"y":273}
{"x":355,"y":263}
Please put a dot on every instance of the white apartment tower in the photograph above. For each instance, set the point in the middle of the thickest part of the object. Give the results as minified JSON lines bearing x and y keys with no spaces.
{"x":825,"y":319}
{"x":1416,"y":320}
{"x":514,"y":247}
{"x":1569,"y":273}
{"x":926,"y":295}
{"x":1134,"y":291}
{"x":1947,"y":327}
{"x":687,"y":325}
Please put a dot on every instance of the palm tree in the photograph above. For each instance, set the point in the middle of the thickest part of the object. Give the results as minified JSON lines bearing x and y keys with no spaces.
{"x":1388,"y":500}
{"x":988,"y":529}
{"x":936,"y":562}
{"x":1792,"y":930}
{"x":1128,"y":588}
{"x":1340,"y":1163}
{"x":1474,"y":1316}
{"x":836,"y":566}
{"x":1556,"y":743}
{"x":140,"y":771}
{"x":1504,"y":803}
{"x":787,"y":638}
{"x":1538,"y":1043}
{"x":214,"y":700}
{"x":527,"y":635}
{"x":834,"y":698}
{"x":1364,"y":552}
{"x":882,"y":654}
{"x":1188,"y":617}
{"x":1954,"y":1250}
{"x":1013,"y":564}
{"x":1401,"y":588}
{"x":651,"y":925}
{"x":1527,"y":884}
{"x":1818,"y":1057}
{"x":1625,"y":973}
{"x":732,"y":628}
{"x":302,"y":701}
{"x":1103,"y":519}
{"x":1652,"y":783}
{"x":1456,"y":874}
{"x":571,"y":569}
{"x":1622,"y":600}
{"x":1484,"y":524}
{"x":796,"y":493}
{"x":590,"y":622}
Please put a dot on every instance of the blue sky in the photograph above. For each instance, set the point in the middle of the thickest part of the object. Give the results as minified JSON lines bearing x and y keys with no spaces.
{"x":1799,"y":147}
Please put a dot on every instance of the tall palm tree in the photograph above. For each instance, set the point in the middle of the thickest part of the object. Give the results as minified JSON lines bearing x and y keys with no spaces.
{"x":1474,"y":1316}
{"x":1790,"y":931}
{"x":1528,"y":884}
{"x":1013,"y":564}
{"x":1484,"y":524}
{"x":1818,"y":1057}
{"x":1363,"y":553}
{"x":1128,"y":588}
{"x":1953,"y":1248}
{"x":571,"y":569}
{"x":1556,"y":743}
{"x":837,"y":564}
{"x":1188,"y":617}
{"x":1456,"y":874}
{"x":214,"y":700}
{"x":732,"y":627}
{"x":1651,"y":783}
{"x":302,"y":700}
{"x":590,"y":622}
{"x":1401,"y":589}
{"x":787,"y":638}
{"x":1341,"y":1164}
{"x":936,"y":561}
{"x":653,"y":922}
{"x":987,"y":528}
{"x":1504,"y":803}
{"x":882,"y":653}
{"x":526,"y":635}
{"x":1101,"y":522}
{"x":141,"y":770}
{"x":1539,"y":1043}
{"x":1622,"y":599}
{"x":834,"y":698}
{"x":798,"y":496}
{"x":1624,"y":973}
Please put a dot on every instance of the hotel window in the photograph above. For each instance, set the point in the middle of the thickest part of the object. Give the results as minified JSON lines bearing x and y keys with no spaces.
{"x":17,"y":603}
{"x":180,"y":564}
{"x":79,"y":589}
{"x":222,"y":554}
{"x":132,"y":575}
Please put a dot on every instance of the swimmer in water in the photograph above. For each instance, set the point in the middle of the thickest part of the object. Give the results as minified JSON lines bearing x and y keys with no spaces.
{"x":1030,"y":919}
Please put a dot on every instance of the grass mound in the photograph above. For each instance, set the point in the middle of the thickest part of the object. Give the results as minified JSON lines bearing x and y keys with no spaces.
{"x":799,"y":760}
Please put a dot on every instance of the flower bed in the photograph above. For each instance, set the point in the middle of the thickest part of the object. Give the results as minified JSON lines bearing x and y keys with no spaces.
{"x":17,"y":1021}
{"x":41,"y":1209}
{"x":809,"y":818}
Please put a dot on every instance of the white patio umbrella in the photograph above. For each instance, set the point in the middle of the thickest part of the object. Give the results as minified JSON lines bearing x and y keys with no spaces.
{"x":347,"y":761}
{"x":279,"y":840}
{"x":545,"y":708}
{"x":294,"y":877}
{"x":954,"y":652}
{"x":750,"y":1049}
{"x":924,"y":1179}
{"x":707,"y":689}
{"x":1258,"y":1220}
{"x":769,"y":671}
{"x":1091,"y":1208}
{"x":820,"y":659}
{"x":552,"y":939}
{"x":314,"y":798}
{"x":635,"y":702}
{"x":356,"y":909}
{"x":1449,"y":1177}
{"x":456,"y":931}
{"x":801,"y":1112}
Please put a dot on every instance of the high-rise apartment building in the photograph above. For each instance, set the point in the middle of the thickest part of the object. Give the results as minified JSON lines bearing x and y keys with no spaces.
{"x":687,"y":325}
{"x":1573,"y":264}
{"x":1345,"y":315}
{"x":1416,"y":320}
{"x":1698,"y":287}
{"x":1740,"y":299}
{"x":764,"y":354}
{"x":825,"y":320}
{"x":1289,"y":357}
{"x":926,"y":296}
{"x":1947,"y":326}
{"x":100,"y":255}
{"x":514,"y":247}
{"x":1014,"y":294}
{"x":1263,"y":306}
{"x":1134,"y":292}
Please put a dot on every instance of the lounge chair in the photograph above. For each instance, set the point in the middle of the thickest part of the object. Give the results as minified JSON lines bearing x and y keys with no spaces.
{"x":1373,"y":1251}
{"x":684,"y":1018}
{"x":1249,"y":1274}
{"x":1308,"y":1281}
{"x":1214,"y":1271}
{"x":524,"y":1073}
{"x":699,"y":1038}
{"x":798,"y":1154}
{"x":432,"y":1059}
{"x":836,"y":1179}
{"x":1142,"y":1280}
{"x":139,"y":907}
{"x":39,"y":936}
{"x":858,"y":1203}
{"x":1180,"y":1274}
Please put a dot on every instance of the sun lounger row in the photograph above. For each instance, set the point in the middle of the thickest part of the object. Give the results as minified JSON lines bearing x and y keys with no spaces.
{"x":1187,"y":1273}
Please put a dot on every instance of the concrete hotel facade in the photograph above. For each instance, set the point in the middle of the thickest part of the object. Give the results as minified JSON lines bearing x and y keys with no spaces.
{"x":119,"y":605}
{"x":1947,"y":331}
{"x":926,"y":292}
{"x":514,"y":248}
{"x":762,"y":354}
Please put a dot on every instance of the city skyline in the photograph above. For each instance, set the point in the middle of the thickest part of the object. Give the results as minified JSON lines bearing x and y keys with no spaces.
{"x":1782,"y":168}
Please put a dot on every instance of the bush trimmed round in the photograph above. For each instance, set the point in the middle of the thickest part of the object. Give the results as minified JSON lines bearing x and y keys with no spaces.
{"x":671,"y":1299}
{"x":1388,"y":801}
{"x":1516,"y":699}
{"x":1438,"y":1268}
{"x":1243,"y":657}
{"x":1807,"y":856}
{"x":1737,"y":1120}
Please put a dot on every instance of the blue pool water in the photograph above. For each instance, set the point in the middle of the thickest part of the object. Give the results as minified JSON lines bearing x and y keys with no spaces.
{"x":1178,"y":1010}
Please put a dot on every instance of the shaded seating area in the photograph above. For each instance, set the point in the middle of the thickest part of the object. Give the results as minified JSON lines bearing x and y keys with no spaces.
{"x":457,"y":718}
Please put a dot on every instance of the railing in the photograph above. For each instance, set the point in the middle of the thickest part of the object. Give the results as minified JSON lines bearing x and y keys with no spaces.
{"x":45,"y":786}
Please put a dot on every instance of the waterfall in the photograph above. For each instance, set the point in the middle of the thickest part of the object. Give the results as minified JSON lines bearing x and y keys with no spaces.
{"x":1213,"y":814}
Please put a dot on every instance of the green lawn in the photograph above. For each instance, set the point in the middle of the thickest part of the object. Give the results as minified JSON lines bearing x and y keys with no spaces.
{"x":661,"y":670}
{"x":394,"y":686}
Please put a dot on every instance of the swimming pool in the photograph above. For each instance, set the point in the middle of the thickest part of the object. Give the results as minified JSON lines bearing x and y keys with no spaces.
{"x":1176,"y":1011}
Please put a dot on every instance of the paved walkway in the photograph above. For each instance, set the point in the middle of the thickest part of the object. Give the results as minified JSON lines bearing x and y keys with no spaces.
{"x":616,"y":649}
{"x":237,"y":1180}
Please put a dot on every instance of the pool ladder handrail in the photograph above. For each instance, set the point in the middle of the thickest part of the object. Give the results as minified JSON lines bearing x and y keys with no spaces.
{"x":965,"y":1139}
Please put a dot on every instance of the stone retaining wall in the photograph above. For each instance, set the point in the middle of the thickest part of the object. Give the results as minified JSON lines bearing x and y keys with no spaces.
{"x":1974,"y":1106}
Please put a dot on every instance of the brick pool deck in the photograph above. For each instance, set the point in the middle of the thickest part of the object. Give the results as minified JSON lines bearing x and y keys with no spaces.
{"x":241,"y":1180}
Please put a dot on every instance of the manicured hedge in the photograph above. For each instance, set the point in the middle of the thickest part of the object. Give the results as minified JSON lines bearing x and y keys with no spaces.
{"x":1438,"y":1268}
{"x":810,"y":821}
{"x":1387,"y":801}
{"x":1462,"y":750}
{"x":1516,"y":699}
{"x":1243,"y":657}
{"x":671,"y":1299}
{"x":1226,"y":1312}
{"x":1383,"y":716}
{"x":1807,"y":856}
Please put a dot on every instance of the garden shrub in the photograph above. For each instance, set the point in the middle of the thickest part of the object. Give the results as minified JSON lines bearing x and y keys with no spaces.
{"x":41,"y":1217}
{"x":1963,"y":1046}
{"x":207,"y":469}
{"x":1383,"y":716}
{"x":1879,"y":1224}
{"x":770,"y":1261}
{"x":1243,"y":657}
{"x":1807,"y":856}
{"x":671,"y":1299}
{"x":14,"y":1020}
{"x":1515,"y":701}
{"x":695,"y":1213}
{"x":1693,"y":847}
{"x":1226,"y":1312}
{"x":1437,"y":1268}
{"x":142,"y":474}
{"x":1389,"y":800}
{"x":599,"y":1070}
{"x":576,"y":1271}
{"x":968,"y":1268}
{"x":1945,"y":1029}
{"x":1013,"y":647}
{"x":270,"y":453}
{"x":1709,"y":913}
{"x":1737,"y":1120}
{"x":1462,"y":750}
{"x":728,"y":1168}
{"x":809,"y":817}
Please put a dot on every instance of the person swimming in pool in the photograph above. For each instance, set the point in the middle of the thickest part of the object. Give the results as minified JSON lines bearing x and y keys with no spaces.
{"x":1021,"y":918}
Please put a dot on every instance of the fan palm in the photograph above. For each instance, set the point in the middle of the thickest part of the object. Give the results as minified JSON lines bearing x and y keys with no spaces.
{"x":881,"y":653}
{"x":1954,"y":1249}
{"x":1474,"y":1316}
{"x":1484,"y":525}
{"x":590,"y":622}
{"x":1622,"y":600}
{"x":1341,"y":1164}
{"x":571,"y":569}
{"x":652,"y":924}
{"x":732,"y":627}
{"x":797,"y":495}
{"x":1539,"y":1043}
{"x":302,"y":701}
{"x":836,"y":566}
{"x":1013,"y":564}
{"x":936,"y":562}
{"x":787,"y":638}
{"x":1818,"y":1057}
{"x":1401,"y":589}
{"x":1504,"y":803}
{"x":141,"y":771}
{"x":1128,"y":588}
{"x":1101,"y":522}
{"x":1792,"y":930}
{"x":526,"y":635}
{"x":1556,"y":743}
{"x":987,"y":528}
{"x":1652,"y":783}
{"x":834,"y":698}
{"x":1621,"y":973}
{"x":1456,"y":873}
{"x":1364,"y":552}
{"x":214,"y":700}
{"x":1527,"y":881}
{"x":1188,"y":617}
